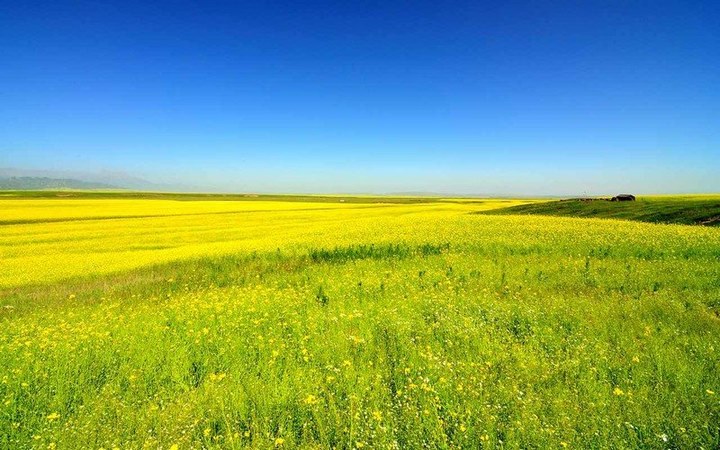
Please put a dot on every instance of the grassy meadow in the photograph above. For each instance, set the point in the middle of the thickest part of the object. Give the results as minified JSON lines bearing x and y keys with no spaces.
{"x":335,"y":322}
{"x":688,"y":210}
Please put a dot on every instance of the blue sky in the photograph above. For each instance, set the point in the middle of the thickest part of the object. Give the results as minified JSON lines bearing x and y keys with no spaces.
{"x":462,"y":97}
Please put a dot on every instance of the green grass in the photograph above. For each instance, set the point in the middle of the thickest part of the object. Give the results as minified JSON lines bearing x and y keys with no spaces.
{"x":688,"y":210}
{"x":458,"y":331}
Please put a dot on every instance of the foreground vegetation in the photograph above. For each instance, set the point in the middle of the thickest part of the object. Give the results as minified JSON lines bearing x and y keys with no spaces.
{"x":688,"y":210}
{"x":159,"y":324}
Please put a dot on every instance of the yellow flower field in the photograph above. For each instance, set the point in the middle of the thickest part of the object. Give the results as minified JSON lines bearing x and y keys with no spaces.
{"x":58,"y":239}
{"x":255,"y":324}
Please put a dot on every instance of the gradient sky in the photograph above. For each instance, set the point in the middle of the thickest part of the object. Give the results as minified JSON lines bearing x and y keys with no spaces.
{"x":537,"y":97}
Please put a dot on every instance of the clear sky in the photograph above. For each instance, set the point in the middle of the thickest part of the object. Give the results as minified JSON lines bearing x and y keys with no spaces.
{"x":536,"y":97}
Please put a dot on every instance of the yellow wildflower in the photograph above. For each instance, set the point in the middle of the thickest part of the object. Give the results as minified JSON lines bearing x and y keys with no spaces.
{"x":217,"y":376}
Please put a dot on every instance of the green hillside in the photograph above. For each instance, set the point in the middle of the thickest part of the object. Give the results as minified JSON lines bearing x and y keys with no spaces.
{"x":689,"y":210}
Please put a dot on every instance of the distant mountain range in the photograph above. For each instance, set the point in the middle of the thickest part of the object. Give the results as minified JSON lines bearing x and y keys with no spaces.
{"x":29,"y":179}
{"x":38,"y":183}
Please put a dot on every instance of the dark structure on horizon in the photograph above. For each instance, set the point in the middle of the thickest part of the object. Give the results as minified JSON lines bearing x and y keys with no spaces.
{"x":623,"y":198}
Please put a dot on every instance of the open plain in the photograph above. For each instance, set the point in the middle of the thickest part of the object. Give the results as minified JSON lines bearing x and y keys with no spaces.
{"x":337,"y":322}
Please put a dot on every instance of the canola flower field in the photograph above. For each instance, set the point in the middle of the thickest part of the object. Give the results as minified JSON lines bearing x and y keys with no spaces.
{"x":201,"y":324}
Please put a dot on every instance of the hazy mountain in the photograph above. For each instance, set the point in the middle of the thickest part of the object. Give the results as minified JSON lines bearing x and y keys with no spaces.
{"x":33,"y":183}
{"x":70,"y":179}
